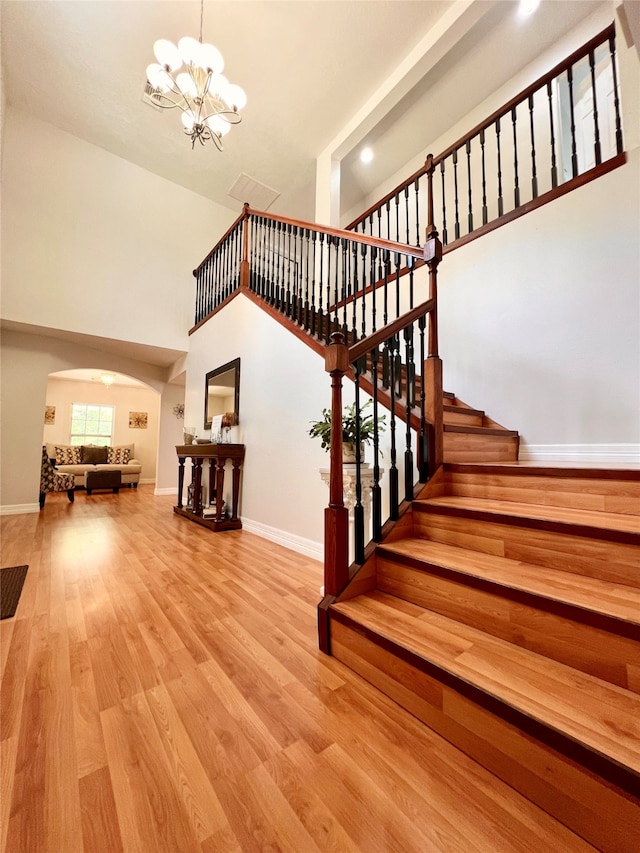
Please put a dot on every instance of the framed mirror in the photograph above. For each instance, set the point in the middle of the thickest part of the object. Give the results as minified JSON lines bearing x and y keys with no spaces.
{"x":222,"y":392}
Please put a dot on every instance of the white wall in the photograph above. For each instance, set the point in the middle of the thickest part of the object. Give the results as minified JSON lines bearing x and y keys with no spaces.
{"x":170,"y":434}
{"x":283,"y":387}
{"x":95,"y":244}
{"x":540,"y":320}
{"x":62,"y":393}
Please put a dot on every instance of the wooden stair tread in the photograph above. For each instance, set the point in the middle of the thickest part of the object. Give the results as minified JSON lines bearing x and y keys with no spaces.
{"x":588,"y":711}
{"x":598,"y":596}
{"x":480,"y":430}
{"x":561,"y":515}
{"x":463,"y":410}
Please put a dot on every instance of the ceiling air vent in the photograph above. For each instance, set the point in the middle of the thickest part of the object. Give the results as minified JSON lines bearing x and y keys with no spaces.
{"x":149,"y":96}
{"x":259,"y":196}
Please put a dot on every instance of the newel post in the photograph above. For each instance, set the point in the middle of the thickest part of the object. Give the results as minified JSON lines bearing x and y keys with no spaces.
{"x":433,"y":364}
{"x":244,"y":262}
{"x":336,"y":515}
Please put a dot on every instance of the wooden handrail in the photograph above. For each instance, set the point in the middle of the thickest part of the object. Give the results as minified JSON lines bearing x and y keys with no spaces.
{"x":341,"y":234}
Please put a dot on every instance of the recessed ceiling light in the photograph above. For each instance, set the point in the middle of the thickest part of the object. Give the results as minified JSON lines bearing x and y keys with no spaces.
{"x":528,"y":7}
{"x":366,"y":155}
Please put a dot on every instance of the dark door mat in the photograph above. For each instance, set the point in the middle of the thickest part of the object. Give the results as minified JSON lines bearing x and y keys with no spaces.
{"x":11,"y":580}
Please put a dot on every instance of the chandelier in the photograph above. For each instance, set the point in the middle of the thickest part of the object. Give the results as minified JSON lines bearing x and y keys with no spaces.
{"x":189,"y":76}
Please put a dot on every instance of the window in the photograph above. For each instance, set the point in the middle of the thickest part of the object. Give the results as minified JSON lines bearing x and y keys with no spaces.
{"x":91,"y":424}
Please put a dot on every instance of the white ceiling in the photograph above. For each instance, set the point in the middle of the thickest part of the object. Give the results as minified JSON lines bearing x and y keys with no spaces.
{"x":308,"y":66}
{"x":83,"y":375}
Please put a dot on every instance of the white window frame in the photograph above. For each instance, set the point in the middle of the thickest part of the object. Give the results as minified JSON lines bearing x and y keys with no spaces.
{"x":102,"y":438}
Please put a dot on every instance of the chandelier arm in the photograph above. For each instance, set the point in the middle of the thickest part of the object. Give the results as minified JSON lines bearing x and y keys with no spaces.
{"x":171,"y":103}
{"x":230,"y":116}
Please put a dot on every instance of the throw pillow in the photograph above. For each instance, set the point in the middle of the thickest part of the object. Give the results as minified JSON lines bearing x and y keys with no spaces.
{"x":67,"y":455}
{"x":92,"y":455}
{"x":118,"y":455}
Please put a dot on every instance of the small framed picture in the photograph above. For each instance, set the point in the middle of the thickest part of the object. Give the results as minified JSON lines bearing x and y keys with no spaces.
{"x":49,"y":414}
{"x":137,"y":420}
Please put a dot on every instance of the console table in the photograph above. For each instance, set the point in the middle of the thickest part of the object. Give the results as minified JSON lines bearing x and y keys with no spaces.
{"x":216,"y":455}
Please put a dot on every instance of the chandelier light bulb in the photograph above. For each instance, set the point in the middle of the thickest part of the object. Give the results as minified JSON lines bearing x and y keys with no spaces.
{"x":235,"y":97}
{"x":158,"y":77}
{"x":218,"y":85}
{"x":167,"y":54}
{"x":188,"y":120}
{"x":211,"y":59}
{"x":219,"y":125}
{"x":186,"y":84}
{"x":189,"y":50}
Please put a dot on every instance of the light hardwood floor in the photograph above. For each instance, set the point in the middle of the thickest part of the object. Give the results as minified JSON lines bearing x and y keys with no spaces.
{"x":163,"y":691}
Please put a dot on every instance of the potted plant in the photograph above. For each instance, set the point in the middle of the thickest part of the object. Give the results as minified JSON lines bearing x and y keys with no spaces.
{"x":322,"y":430}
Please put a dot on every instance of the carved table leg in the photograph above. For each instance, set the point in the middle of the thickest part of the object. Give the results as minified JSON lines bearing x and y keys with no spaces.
{"x":197,"y":485}
{"x":236,"y":490}
{"x":180,"y":479}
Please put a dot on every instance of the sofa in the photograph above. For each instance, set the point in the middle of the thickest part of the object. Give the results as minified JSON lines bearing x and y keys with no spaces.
{"x":79,"y":460}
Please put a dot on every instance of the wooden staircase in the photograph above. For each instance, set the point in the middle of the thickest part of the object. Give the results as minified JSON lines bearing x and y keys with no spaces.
{"x":504,"y":611}
{"x":470,"y":436}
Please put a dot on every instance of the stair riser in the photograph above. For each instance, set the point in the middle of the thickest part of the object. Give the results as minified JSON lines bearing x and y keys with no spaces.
{"x":512,"y":750}
{"x":590,"y":494}
{"x":459,"y":447}
{"x":599,"y":558}
{"x":461,"y":417}
{"x":554,"y":632}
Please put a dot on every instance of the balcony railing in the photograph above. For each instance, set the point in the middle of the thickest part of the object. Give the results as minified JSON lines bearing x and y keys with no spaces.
{"x":558,"y":133}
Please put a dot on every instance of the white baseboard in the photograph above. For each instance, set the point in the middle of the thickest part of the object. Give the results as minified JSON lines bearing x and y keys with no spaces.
{"x":603,"y":454}
{"x":19,"y":509}
{"x":147,"y":482}
{"x":171,"y":490}
{"x":315,"y":550}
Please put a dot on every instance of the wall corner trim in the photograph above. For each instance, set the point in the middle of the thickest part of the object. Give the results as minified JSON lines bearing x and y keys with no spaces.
{"x":299,"y":544}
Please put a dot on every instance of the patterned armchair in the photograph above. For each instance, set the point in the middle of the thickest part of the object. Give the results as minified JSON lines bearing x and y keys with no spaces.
{"x":52,"y":481}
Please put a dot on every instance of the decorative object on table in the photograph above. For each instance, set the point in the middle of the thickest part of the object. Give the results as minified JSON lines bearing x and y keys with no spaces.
{"x":203,"y":441}
{"x":11,"y":581}
{"x":228,"y":420}
{"x":138,"y":420}
{"x":190,"y":78}
{"x":178,"y":411}
{"x":322,"y":430}
{"x":189,"y":435}
{"x":216,"y":429}
{"x":49,"y":414}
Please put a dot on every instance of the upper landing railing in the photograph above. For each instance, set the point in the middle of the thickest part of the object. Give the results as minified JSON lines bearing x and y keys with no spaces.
{"x":321,"y":278}
{"x":557,"y":134}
